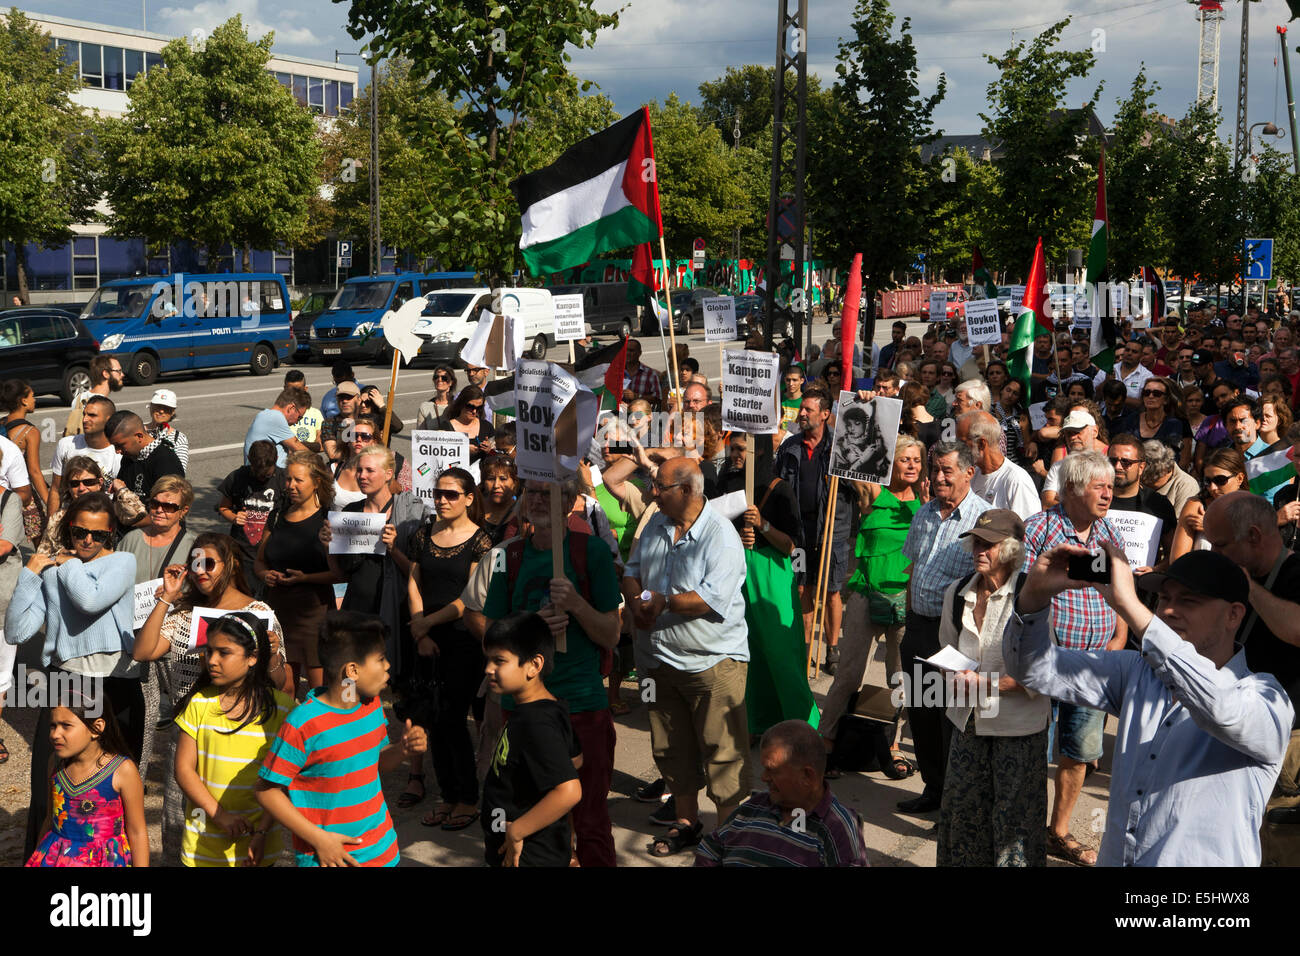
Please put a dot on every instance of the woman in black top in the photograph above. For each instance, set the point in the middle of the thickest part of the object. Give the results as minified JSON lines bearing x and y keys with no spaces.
{"x":294,"y":566}
{"x":443,"y":555}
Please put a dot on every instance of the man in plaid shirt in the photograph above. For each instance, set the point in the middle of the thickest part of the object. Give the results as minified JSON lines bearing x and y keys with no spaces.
{"x":643,"y":381}
{"x":1081,"y":620}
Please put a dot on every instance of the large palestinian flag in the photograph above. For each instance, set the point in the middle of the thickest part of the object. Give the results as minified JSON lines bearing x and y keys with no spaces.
{"x":1101,"y":344}
{"x":601,"y":194}
{"x":1033,"y":320}
{"x":982,"y":274}
{"x":643,"y":280}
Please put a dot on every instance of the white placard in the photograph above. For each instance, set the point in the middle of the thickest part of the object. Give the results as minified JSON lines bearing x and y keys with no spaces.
{"x":496,"y":342}
{"x":1037,"y":416}
{"x":202,"y":617}
{"x":938,"y":306}
{"x":1082,"y":318}
{"x":720,"y":319}
{"x":731,"y":506}
{"x":1017,"y":297}
{"x":145,"y":600}
{"x":983,"y":326}
{"x":433,"y":453}
{"x":556,"y":416}
{"x":356,"y":532}
{"x":865,"y":435}
{"x":1141,"y":535}
{"x":751,"y":383}
{"x":569,"y":321}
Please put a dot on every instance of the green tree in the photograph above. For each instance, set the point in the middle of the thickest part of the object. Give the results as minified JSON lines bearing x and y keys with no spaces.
{"x":499,"y":64}
{"x":1203,"y":201}
{"x":1271,"y":206}
{"x":213,"y":148}
{"x":1139,"y":174}
{"x":1043,"y":170}
{"x":867,"y":190}
{"x":48,"y":164}
{"x":959,"y":185}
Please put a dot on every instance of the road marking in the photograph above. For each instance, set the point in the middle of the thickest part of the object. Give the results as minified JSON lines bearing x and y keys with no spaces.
{"x":212,"y":449}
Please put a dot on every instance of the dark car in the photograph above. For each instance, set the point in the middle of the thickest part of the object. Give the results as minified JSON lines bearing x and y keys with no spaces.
{"x":688,"y":308}
{"x":50,"y":349}
{"x":311,"y":310}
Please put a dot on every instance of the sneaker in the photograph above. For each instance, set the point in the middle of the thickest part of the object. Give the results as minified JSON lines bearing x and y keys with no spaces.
{"x":665,"y":815}
{"x":832,"y":660}
{"x":652,"y":792}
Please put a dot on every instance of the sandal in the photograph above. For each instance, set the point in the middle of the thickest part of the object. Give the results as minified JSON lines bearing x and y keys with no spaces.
{"x":437,"y":816}
{"x":620,"y":708}
{"x":406,"y":800}
{"x":4,"y":751}
{"x":898,"y":767}
{"x":1069,"y":849}
{"x":460,"y":821}
{"x":679,"y":837}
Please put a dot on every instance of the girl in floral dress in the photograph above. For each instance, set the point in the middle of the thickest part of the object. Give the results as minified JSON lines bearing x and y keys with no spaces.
{"x":96,"y":798}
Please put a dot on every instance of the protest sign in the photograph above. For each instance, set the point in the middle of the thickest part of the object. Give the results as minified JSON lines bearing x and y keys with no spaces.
{"x":556,"y":416}
{"x":1037,"y":415}
{"x":1140,"y":533}
{"x":399,"y":327}
{"x":862,"y":448}
{"x":433,"y":453}
{"x":731,"y":505}
{"x":569,"y":318}
{"x":938,"y":306}
{"x":720,"y":319}
{"x":201,"y":618}
{"x":1017,"y":297}
{"x":983,"y":327}
{"x":1082,"y":317}
{"x":496,"y":342}
{"x":750,"y":383}
{"x":145,"y":600}
{"x":355,"y":532}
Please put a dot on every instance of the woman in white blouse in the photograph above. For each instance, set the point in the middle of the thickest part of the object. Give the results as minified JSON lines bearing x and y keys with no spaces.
{"x":995,"y":791}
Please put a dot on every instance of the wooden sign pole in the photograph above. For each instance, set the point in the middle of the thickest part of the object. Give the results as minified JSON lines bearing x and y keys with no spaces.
{"x":672,"y":330}
{"x":392,"y":394}
{"x":823,"y":567}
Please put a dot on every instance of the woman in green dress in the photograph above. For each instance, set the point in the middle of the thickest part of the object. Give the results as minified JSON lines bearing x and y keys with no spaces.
{"x":877,"y":601}
{"x":777,"y":687}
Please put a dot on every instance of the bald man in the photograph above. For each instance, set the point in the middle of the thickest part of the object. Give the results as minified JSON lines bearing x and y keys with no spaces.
{"x":998,"y":479}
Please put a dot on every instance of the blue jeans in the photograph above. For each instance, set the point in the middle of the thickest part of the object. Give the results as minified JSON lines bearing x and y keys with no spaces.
{"x":1081,"y":732}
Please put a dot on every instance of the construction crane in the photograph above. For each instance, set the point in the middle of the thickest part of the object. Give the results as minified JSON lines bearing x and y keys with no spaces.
{"x":1210,"y":14}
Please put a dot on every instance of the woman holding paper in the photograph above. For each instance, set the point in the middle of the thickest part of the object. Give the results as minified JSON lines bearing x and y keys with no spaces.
{"x":160,"y":541}
{"x":292,"y":563}
{"x":81,"y":597}
{"x":995,"y":790}
{"x":466,"y":416}
{"x":208,"y":577}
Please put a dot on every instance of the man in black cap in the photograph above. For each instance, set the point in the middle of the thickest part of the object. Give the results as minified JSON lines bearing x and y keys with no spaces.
{"x":1206,"y":378}
{"x":1201,"y":738}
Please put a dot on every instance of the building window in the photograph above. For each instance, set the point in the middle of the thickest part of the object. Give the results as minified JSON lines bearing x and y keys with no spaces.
{"x":331,"y":97}
{"x":316,"y":94}
{"x":158,"y":259}
{"x":300,"y":89}
{"x":69,"y":50}
{"x":113,"y":74}
{"x":285,"y":80}
{"x":85,"y":263}
{"x":345,"y":95}
{"x":152,"y":61}
{"x":134,"y":66}
{"x":92,"y":67}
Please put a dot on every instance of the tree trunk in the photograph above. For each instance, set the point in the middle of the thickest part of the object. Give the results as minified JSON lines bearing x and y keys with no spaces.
{"x":20,"y":262}
{"x":248,"y":257}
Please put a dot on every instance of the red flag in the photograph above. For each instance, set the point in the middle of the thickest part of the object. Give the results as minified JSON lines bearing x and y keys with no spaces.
{"x":849,"y":322}
{"x":1036,"y":297}
{"x":614,"y":374}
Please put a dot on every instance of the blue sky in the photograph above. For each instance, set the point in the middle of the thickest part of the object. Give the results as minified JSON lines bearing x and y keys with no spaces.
{"x":663,"y":46}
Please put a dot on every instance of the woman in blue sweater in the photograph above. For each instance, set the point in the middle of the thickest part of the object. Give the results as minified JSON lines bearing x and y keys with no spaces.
{"x":83,"y":598}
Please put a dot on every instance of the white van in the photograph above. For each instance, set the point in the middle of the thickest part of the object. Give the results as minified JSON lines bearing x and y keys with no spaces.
{"x":450,"y":317}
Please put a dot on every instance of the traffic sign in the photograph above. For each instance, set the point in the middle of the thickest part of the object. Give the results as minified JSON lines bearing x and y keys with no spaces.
{"x":1259,"y":259}
{"x":345,"y":253}
{"x":698,"y":245}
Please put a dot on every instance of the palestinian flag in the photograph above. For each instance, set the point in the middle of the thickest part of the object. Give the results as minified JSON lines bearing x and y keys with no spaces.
{"x":1270,"y":470}
{"x":601,"y":194}
{"x":1034,"y":319}
{"x":499,"y":396}
{"x":1097,"y":280}
{"x":1155,"y":295}
{"x":601,"y":370}
{"x":643,"y":281}
{"x":982,"y":275}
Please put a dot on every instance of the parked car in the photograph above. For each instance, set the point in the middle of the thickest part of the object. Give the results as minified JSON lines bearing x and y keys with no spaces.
{"x":49,"y":348}
{"x":312,"y":309}
{"x":956,"y":307}
{"x":605,"y":307}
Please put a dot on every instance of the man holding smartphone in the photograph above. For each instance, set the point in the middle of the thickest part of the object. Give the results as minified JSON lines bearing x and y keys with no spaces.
{"x":1201,"y":738}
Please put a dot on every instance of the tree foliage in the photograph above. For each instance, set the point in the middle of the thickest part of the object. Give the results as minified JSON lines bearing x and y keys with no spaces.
{"x":48,"y":163}
{"x":213,"y":149}
{"x":1202,"y":201}
{"x":1139,"y":178}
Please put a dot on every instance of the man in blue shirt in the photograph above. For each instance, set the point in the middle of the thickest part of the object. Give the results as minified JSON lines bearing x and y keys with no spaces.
{"x":1201,"y":738}
{"x":273,"y":424}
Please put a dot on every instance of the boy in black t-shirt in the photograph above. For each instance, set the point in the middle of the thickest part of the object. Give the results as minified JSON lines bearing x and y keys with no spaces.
{"x":533,"y":781}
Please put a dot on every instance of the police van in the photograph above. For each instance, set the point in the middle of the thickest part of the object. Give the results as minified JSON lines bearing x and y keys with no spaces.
{"x":447,"y":321}
{"x":179,"y":323}
{"x":349,"y":329}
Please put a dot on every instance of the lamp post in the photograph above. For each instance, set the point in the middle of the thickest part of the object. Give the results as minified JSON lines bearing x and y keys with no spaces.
{"x":1248,"y":175}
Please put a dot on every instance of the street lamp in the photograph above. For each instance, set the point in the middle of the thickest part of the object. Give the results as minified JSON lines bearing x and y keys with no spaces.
{"x":1248,"y":175}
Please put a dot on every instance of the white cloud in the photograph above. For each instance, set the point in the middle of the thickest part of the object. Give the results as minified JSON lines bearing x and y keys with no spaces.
{"x":209,"y":14}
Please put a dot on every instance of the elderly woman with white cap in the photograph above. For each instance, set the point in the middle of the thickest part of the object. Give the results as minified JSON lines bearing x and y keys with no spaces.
{"x":162,"y":409}
{"x":995,"y":790}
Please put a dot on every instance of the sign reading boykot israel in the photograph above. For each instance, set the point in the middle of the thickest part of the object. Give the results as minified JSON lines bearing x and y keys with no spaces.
{"x":749,"y":392}
{"x":556,"y":416}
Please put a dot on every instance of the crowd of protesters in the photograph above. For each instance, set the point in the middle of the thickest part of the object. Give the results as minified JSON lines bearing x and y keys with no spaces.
{"x":252,"y":683}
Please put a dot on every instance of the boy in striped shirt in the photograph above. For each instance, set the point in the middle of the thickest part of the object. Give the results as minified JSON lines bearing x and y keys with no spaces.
{"x":320,"y":778}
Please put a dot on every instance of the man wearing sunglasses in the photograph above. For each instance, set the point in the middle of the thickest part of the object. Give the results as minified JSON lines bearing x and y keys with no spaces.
{"x":1128,"y":456}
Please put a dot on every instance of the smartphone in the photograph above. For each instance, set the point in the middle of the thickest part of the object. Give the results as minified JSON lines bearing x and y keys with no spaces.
{"x":1090,"y":567}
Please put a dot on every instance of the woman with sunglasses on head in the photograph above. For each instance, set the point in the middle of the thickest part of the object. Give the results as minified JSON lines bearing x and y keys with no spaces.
{"x":1163,"y":418}
{"x":444,"y":552}
{"x":160,"y":541}
{"x":371,"y":402}
{"x":435,"y":413}
{"x":209,"y":576}
{"x":466,"y":416}
{"x":82,"y":476}
{"x":82,"y":598}
{"x":1224,"y":472}
{"x":292,"y":563}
